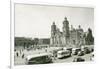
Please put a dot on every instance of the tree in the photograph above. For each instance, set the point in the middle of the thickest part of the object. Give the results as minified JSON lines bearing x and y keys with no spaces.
{"x":89,"y":37}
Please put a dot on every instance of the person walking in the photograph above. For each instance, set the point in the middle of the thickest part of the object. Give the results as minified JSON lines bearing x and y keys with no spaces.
{"x":23,"y":55}
{"x":17,"y":54}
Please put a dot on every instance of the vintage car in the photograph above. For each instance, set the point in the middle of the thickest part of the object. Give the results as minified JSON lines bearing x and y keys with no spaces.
{"x":87,"y":50}
{"x":75,"y":51}
{"x":81,"y":53}
{"x":78,"y":59}
{"x":43,"y":58}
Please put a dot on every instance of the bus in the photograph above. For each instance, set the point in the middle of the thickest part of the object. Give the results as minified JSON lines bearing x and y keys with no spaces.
{"x":63,"y":53}
{"x":43,"y":58}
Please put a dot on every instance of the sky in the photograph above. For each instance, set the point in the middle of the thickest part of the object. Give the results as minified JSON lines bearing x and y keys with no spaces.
{"x":35,"y":21}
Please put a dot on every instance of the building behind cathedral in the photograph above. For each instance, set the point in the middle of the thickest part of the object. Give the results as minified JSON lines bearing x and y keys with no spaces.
{"x":69,"y":37}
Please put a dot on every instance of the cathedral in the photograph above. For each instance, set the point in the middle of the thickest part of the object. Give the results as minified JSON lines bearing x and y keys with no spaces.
{"x":68,"y":37}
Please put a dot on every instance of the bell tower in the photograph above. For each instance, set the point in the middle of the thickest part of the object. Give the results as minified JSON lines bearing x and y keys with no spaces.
{"x":53,"y":34}
{"x":66,"y":30}
{"x":53,"y":29}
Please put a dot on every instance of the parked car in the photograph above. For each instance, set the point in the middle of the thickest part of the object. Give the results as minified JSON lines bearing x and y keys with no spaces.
{"x":79,"y":59}
{"x":75,"y":51}
{"x":70,"y":49}
{"x":87,"y":50}
{"x":80,"y":53}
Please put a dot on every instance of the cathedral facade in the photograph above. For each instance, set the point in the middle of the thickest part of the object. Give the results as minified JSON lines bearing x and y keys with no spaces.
{"x":68,"y":37}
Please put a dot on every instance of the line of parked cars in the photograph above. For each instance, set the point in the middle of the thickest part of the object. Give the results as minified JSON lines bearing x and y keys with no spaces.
{"x":68,"y":52}
{"x":82,"y":52}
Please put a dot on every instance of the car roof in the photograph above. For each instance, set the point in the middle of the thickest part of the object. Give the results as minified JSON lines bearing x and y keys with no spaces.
{"x":63,"y":51}
{"x":75,"y":48}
